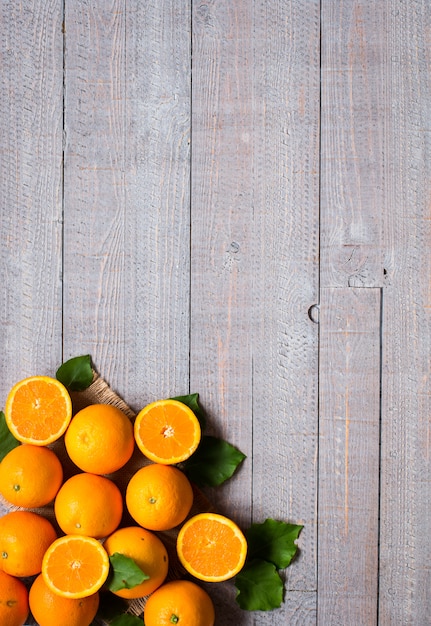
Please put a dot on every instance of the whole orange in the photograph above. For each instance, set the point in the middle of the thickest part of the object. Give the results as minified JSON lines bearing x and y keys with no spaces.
{"x":47,"y":607}
{"x":13,"y":601}
{"x":89,"y":504}
{"x":100,"y":439}
{"x":148,"y":552}
{"x":24,"y":538}
{"x":159,"y":497}
{"x":30,"y":476}
{"x":179,"y":602}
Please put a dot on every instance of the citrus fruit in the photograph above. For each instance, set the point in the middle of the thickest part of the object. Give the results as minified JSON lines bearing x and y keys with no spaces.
{"x":48,"y":608}
{"x":38,"y":410}
{"x":88,"y":504}
{"x":148,"y":552}
{"x":159,"y":497}
{"x":167,"y":431}
{"x":211,"y":547}
{"x":13,"y":601}
{"x":179,"y":602}
{"x":100,"y":439}
{"x":24,"y":538}
{"x":30,"y":476}
{"x":75,"y":566}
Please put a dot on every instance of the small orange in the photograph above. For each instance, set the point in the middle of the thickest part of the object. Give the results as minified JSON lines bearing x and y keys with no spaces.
{"x":179,"y":602}
{"x":100,"y":439}
{"x":14,"y":607}
{"x":50,"y":609}
{"x":38,"y":410}
{"x":167,"y":431}
{"x":75,"y":566}
{"x":148,"y":552}
{"x":30,"y":476}
{"x":211,"y":547}
{"x":24,"y":538}
{"x":89,"y":504}
{"x":159,"y":497}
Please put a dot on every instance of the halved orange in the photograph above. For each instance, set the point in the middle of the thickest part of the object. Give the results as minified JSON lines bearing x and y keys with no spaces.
{"x":167,"y":431}
{"x":75,"y":566}
{"x":211,"y":547}
{"x":38,"y":410}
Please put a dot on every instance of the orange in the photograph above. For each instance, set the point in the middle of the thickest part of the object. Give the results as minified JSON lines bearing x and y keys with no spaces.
{"x":211,"y":547}
{"x":159,"y":497}
{"x":167,"y":431}
{"x":75,"y":566}
{"x":13,"y":601}
{"x":30,"y":476}
{"x":50,"y":609}
{"x":88,"y":504}
{"x":24,"y":538}
{"x":148,"y":552}
{"x":179,"y":602}
{"x":100,"y":439}
{"x":38,"y":410}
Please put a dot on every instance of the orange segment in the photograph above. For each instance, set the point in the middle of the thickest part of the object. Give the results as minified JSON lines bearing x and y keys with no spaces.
{"x":211,"y":547}
{"x":75,"y":566}
{"x":167,"y":431}
{"x":38,"y":410}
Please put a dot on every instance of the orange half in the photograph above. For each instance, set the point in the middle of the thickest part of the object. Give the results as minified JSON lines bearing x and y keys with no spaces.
{"x":75,"y":566}
{"x":38,"y":410}
{"x":211,"y":547}
{"x":167,"y":431}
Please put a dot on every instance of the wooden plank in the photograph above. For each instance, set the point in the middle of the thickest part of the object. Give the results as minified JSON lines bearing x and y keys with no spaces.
{"x":31,"y":113}
{"x":127,"y":193}
{"x":353,"y":140}
{"x":285,"y":272}
{"x":405,"y":549}
{"x":348,"y":504}
{"x":254,"y":259}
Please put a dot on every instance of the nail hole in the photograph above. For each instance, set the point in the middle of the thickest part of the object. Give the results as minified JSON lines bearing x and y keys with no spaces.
{"x":313,"y":313}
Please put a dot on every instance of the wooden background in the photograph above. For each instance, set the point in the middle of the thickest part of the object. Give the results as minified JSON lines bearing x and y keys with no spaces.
{"x":232,"y":197}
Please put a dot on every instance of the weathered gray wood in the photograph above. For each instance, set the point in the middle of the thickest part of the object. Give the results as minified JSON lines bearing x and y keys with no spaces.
{"x":405,"y":548}
{"x":348,"y":504}
{"x":254,"y":257}
{"x":31,"y":111}
{"x":352,"y":127}
{"x":127,"y":193}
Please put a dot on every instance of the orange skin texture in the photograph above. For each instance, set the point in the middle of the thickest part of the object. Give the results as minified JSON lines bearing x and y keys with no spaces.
{"x":159,"y":497}
{"x":149,"y":553}
{"x":100,"y":439}
{"x":47,"y":607}
{"x":180,"y":600}
{"x":30,"y":476}
{"x":24,"y":538}
{"x":89,"y":504}
{"x":14,"y":607}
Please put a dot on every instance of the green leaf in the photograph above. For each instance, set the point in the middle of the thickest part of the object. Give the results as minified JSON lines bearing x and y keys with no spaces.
{"x":127,"y":620}
{"x":259,"y":586}
{"x":273,"y":541}
{"x":213,"y":463}
{"x":76,"y":374}
{"x":7,"y":440}
{"x":125,"y":573}
{"x":192,"y":401}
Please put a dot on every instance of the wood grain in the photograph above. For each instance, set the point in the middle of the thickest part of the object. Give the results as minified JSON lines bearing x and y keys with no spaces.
{"x":254,"y":257}
{"x":405,"y":549}
{"x":127,"y":189}
{"x":349,"y":422}
{"x":31,"y":112}
{"x":352,"y":127}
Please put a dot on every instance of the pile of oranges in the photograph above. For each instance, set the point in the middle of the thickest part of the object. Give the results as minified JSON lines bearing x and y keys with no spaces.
{"x":70,"y":551}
